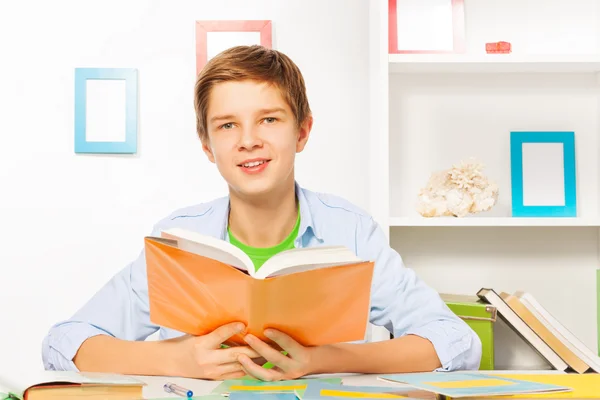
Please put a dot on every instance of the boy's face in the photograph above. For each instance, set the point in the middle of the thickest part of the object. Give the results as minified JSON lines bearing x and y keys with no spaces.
{"x":253,"y":137}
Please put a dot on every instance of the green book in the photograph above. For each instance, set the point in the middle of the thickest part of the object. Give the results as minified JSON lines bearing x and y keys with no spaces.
{"x":480,"y":317}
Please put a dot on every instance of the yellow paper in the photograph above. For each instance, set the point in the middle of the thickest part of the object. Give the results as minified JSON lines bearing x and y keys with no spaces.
{"x":470,"y":383}
{"x":585,"y":386}
{"x":358,"y":395}
{"x":267,"y":388}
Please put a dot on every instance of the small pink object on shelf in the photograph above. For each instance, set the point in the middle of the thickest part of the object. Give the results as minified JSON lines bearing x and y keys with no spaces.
{"x":498,"y":48}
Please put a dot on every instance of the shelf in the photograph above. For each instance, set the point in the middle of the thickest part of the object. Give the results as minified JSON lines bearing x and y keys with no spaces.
{"x":492,"y":63}
{"x":492,"y":221}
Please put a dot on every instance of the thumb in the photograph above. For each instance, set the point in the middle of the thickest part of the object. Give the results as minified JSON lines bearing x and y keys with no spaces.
{"x":224,"y":332}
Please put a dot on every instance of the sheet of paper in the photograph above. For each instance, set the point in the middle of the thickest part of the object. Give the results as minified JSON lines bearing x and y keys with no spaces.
{"x":459,"y":384}
{"x":254,"y":385}
{"x":322,"y":390}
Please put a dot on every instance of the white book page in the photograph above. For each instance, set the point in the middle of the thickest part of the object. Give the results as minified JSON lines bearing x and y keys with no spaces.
{"x":211,"y":247}
{"x":305,"y":259}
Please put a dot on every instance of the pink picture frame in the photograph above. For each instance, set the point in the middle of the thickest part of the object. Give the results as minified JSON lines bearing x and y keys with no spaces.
{"x":455,"y":22}
{"x":203,"y":28}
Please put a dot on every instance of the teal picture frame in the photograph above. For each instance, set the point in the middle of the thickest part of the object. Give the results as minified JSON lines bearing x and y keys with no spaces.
{"x":519,"y":209}
{"x":129,"y":145}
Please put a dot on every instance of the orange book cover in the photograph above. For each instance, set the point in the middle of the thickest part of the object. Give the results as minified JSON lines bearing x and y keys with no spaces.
{"x":317,"y":295}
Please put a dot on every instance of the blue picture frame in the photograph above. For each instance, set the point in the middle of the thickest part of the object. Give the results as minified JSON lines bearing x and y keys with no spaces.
{"x":129,"y":146}
{"x":517,"y":139}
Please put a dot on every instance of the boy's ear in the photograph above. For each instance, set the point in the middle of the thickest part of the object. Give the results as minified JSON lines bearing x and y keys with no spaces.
{"x":304,"y":133}
{"x":208,"y":150}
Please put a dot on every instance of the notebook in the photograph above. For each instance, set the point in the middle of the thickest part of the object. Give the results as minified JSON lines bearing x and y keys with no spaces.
{"x":462,"y":384}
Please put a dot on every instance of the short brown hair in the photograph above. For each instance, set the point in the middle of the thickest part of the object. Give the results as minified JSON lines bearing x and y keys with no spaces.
{"x":257,"y":63}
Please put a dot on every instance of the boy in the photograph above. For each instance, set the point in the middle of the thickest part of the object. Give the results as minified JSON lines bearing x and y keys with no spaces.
{"x":252,"y":118}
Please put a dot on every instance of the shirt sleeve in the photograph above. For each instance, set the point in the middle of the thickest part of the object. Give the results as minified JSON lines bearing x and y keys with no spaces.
{"x":119,"y":309}
{"x":405,"y":305}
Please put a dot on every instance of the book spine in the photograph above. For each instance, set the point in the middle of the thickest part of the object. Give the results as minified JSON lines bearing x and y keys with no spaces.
{"x":598,"y":308}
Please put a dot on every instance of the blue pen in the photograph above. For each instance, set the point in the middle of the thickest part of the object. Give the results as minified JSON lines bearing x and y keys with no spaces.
{"x":178,"y":390}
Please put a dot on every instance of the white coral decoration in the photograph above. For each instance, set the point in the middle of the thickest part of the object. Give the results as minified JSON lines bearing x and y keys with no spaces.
{"x":458,"y":191}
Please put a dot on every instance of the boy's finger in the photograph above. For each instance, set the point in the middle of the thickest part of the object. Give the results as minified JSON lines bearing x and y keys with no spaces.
{"x":269,"y":353}
{"x":231,"y":354}
{"x":222,"y":333}
{"x":229,"y":368}
{"x":257,"y":371}
{"x":284,"y":341}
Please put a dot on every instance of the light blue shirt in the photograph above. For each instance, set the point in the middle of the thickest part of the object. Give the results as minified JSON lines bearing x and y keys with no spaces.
{"x":400,"y":301}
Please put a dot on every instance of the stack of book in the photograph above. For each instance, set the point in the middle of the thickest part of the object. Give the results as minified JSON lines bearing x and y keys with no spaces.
{"x":542,"y":331}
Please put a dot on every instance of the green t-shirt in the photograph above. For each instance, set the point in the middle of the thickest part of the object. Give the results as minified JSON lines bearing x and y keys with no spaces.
{"x":259,"y":255}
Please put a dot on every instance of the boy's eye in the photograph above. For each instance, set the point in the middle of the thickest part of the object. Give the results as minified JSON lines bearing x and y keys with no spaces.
{"x":270,"y":120}
{"x":228,"y":125}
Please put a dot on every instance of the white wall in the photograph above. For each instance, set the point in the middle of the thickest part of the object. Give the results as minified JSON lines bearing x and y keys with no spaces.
{"x":69,"y":222}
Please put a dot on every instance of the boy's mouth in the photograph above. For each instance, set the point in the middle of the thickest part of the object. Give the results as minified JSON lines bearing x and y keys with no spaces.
{"x":254,"y":165}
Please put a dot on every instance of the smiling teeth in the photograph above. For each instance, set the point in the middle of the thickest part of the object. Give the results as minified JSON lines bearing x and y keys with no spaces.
{"x":253,"y":164}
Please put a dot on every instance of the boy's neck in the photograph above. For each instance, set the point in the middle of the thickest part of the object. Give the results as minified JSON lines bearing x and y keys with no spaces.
{"x":264,"y":222}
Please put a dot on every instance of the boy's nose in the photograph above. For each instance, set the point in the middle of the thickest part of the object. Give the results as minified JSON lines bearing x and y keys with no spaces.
{"x":250,"y":139}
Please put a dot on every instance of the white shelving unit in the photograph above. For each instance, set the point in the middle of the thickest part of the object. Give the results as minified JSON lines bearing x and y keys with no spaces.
{"x":493,"y":222}
{"x":493,"y":63}
{"x":430,"y":111}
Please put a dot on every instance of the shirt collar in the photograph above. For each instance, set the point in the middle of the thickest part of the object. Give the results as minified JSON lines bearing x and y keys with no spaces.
{"x":307,"y":225}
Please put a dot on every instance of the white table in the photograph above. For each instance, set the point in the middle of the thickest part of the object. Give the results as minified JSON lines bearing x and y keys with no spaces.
{"x":154,"y":388}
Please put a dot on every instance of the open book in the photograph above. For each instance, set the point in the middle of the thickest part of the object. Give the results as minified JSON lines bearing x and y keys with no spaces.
{"x":47,"y":385}
{"x":318,"y":295}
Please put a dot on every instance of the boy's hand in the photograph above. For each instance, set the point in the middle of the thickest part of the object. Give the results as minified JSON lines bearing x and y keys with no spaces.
{"x":296,"y":364}
{"x":202,"y":356}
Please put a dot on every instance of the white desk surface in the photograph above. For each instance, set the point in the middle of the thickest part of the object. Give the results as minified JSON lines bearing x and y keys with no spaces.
{"x":154,"y":388}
